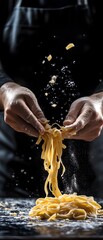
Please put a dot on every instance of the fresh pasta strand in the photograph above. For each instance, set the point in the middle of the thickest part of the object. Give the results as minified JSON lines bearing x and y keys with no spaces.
{"x":66,"y":206}
{"x":52,"y":148}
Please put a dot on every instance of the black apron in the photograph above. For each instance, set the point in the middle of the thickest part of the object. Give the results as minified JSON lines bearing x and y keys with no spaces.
{"x":32,"y":32}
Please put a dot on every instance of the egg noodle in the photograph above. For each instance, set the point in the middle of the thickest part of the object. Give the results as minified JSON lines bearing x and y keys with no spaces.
{"x":66,"y":206}
{"x":51,"y":154}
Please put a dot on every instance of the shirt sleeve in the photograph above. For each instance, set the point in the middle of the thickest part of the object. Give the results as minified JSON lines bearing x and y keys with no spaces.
{"x":4,"y":8}
{"x":4,"y":78}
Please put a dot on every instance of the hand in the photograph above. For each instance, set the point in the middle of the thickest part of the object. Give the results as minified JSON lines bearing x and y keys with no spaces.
{"x":85,"y":117}
{"x":21,"y":109}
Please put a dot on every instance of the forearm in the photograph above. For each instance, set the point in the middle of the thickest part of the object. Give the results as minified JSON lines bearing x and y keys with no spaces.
{"x":1,"y":105}
{"x":4,"y":78}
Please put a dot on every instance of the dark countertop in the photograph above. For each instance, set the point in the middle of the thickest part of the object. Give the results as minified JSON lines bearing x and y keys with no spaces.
{"x":21,"y":227}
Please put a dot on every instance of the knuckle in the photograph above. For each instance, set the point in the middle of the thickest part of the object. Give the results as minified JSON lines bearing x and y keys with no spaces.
{"x":8,"y":111}
{"x":38,"y":113}
{"x":12,"y":105}
{"x":100,"y":121}
{"x":28,"y":117}
{"x":15,"y":104}
{"x":6,"y":119}
{"x":80,"y":124}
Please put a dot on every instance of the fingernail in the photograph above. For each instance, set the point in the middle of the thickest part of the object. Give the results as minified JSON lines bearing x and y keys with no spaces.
{"x":70,"y":119}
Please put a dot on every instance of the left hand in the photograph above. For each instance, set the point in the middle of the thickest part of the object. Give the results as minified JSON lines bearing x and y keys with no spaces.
{"x":85,"y":117}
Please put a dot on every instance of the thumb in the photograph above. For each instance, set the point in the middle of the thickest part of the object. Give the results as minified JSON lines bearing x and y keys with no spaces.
{"x":74,"y":111}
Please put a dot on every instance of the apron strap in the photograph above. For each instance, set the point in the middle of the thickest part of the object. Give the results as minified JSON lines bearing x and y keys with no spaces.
{"x":18,"y":3}
{"x":82,"y":2}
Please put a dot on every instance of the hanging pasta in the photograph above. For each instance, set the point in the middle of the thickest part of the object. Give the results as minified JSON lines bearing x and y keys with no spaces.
{"x":52,"y":148}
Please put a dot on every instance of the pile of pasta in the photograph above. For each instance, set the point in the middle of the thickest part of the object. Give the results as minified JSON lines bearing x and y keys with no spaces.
{"x":66,"y":206}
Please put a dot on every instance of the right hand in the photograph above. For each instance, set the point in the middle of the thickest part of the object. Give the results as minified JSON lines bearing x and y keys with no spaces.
{"x":21,"y":109}
{"x":85,"y":118}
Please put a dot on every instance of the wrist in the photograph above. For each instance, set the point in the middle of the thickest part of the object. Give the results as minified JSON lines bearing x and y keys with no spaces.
{"x":3,"y":91}
{"x":8,"y":85}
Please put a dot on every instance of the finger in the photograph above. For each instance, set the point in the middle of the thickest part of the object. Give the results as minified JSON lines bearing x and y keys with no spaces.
{"x":85,"y":134}
{"x":22,"y":110}
{"x":91,"y":127}
{"x":35,"y":108}
{"x":19,"y":125}
{"x":83,"y":119}
{"x":73,"y":113}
